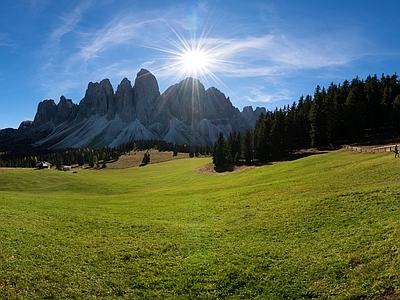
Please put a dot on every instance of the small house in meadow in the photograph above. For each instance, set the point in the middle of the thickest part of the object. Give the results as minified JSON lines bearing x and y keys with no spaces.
{"x":43,"y":165}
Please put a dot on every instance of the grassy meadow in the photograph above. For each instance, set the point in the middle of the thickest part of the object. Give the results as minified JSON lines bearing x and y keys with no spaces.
{"x":325,"y":226}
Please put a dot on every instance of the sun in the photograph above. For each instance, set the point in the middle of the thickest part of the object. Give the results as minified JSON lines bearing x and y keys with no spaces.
{"x":195,"y":61}
{"x":200,"y":57}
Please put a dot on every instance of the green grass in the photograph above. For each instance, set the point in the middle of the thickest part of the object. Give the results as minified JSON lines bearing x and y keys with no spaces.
{"x":321,"y":227}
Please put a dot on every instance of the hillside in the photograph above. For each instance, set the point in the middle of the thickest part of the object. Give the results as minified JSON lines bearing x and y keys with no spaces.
{"x":324,"y":226}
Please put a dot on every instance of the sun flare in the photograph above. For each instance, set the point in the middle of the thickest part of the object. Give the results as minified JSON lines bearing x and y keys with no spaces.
{"x":198,"y":57}
{"x":195,"y":61}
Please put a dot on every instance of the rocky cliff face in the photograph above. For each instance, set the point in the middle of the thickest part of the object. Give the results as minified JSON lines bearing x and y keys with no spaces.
{"x":45,"y":112}
{"x":99,"y":98}
{"x":65,"y":109}
{"x":148,"y":103}
{"x":185,"y":113}
{"x":124,"y":106}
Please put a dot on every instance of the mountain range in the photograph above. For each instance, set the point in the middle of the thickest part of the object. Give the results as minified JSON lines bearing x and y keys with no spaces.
{"x":186,"y":113}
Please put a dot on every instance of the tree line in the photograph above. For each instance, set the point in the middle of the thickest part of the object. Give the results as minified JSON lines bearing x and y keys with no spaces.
{"x":340,"y":113}
{"x":28,"y":157}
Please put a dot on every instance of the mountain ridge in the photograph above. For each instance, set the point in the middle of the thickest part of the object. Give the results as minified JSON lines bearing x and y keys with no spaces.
{"x":185,"y":113}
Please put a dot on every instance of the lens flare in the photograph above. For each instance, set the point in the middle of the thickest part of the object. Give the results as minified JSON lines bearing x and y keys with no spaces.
{"x":195,"y":61}
{"x":200,"y":57}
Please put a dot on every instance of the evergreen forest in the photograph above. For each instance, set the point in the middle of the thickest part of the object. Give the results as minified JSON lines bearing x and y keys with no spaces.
{"x":341,"y":113}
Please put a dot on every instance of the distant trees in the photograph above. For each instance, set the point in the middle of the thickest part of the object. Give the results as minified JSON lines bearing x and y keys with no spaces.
{"x":99,"y":157}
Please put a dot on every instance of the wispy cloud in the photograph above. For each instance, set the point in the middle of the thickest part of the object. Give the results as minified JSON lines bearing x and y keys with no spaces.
{"x":117,"y":33}
{"x":5,"y":40}
{"x":68,"y":23}
{"x":37,"y":6}
{"x":260,"y":94}
{"x":257,"y":56}
{"x":118,"y":47}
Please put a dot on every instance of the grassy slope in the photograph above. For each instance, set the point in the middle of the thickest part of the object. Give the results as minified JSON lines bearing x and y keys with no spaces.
{"x":326,"y":226}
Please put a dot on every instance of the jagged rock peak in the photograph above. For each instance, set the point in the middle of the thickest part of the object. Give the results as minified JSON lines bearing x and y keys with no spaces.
{"x":106,"y":84}
{"x":45,"y":112}
{"x":124,"y":101}
{"x":191,"y":80}
{"x":65,"y":103}
{"x":125,"y":81}
{"x":25,"y":125}
{"x":99,"y":97}
{"x":251,"y":115}
{"x":143,"y":72}
{"x":146,"y":85}
{"x":64,"y":110}
{"x":146,"y":95}
{"x":189,"y":102}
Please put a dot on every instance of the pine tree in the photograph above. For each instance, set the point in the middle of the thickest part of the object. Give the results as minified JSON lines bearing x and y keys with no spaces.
{"x":372,"y":99}
{"x":330,"y":113}
{"x":221,"y":154}
{"x":302,"y":123}
{"x":277,"y":134}
{"x":396,"y":113}
{"x":317,"y":119}
{"x":354,"y":109}
{"x":261,"y":141}
{"x":234,"y":146}
{"x":146,"y":158}
{"x":247,"y":146}
{"x":58,"y":162}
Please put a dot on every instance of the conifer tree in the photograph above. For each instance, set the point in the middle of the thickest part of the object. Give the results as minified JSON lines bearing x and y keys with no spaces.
{"x":247,"y":146}
{"x":354,"y":109}
{"x":146,"y":158}
{"x":221,"y":154}
{"x":396,"y":113}
{"x":234,"y":146}
{"x":261,"y":139}
{"x":317,"y":119}
{"x":277,"y":134}
{"x":372,"y":100}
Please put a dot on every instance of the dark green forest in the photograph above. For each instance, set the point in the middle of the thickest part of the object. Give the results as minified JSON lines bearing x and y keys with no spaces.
{"x":341,"y":113}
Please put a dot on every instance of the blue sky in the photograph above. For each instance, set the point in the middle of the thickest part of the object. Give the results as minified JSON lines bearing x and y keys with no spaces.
{"x":259,"y":53}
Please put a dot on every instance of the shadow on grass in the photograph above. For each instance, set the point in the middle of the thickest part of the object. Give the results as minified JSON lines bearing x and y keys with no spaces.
{"x":302,"y":154}
{"x":224,"y":169}
{"x":241,"y":166}
{"x":289,"y":157}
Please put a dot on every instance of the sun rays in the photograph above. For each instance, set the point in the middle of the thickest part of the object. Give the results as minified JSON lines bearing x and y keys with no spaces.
{"x":195,"y":61}
{"x":200,"y":57}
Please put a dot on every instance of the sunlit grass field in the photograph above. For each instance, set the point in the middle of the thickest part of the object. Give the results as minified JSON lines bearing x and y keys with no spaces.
{"x":325,"y":226}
